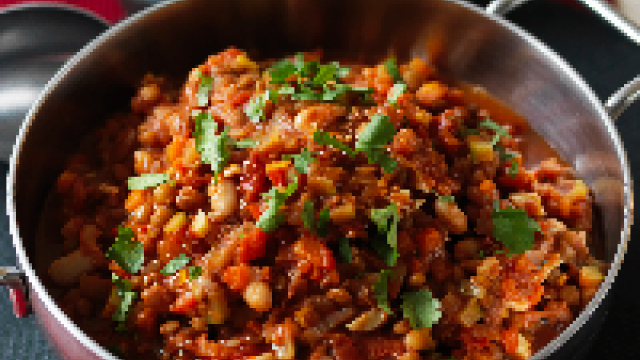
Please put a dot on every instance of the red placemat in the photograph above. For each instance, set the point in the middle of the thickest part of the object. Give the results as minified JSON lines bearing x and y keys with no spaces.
{"x":109,"y":10}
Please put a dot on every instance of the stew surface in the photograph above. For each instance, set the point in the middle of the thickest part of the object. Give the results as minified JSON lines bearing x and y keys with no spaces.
{"x":304,"y":209}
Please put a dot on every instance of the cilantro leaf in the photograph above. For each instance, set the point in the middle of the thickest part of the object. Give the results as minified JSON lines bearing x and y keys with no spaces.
{"x":499,"y":130}
{"x":395,"y":92}
{"x":194,"y":272}
{"x":387,"y":220}
{"x":127,"y":252}
{"x":309,"y":216}
{"x":309,"y":219}
{"x":213,"y":148}
{"x":378,"y":133}
{"x":344,"y":251}
{"x":421,"y":308}
{"x":392,"y":69}
{"x":507,"y":155}
{"x":280,"y":71}
{"x":381,"y":292}
{"x":204,"y":89}
{"x":514,"y":229}
{"x":446,"y":199}
{"x":245,"y":143}
{"x":145,"y":181}
{"x":125,"y":297}
{"x":255,"y":107}
{"x":323,"y":221}
{"x":301,"y":161}
{"x":271,"y":218}
{"x":175,"y":264}
{"x":323,"y":138}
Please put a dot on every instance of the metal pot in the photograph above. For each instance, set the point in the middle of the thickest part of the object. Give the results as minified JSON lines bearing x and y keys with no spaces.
{"x":464,"y":42}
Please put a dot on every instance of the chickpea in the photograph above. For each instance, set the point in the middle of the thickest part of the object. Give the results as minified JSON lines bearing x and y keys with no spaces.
{"x":417,"y":340}
{"x":164,"y":194}
{"x":258,"y":296}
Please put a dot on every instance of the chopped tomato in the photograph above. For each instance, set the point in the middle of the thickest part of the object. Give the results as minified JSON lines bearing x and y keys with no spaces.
{"x":184,"y":303}
{"x":252,"y":246}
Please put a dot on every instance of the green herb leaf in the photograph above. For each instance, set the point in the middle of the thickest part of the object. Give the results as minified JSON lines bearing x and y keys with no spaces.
{"x":322,"y":138}
{"x":127,"y":252}
{"x":378,"y":133}
{"x":325,"y":217}
{"x":392,"y":69}
{"x":395,"y":92}
{"x":271,"y":218}
{"x":194,"y":272}
{"x":309,"y":216}
{"x":514,"y":229}
{"x":421,"y":308}
{"x":280,"y":71}
{"x":507,"y":155}
{"x":255,"y":108}
{"x":145,"y":181}
{"x":302,"y":161}
{"x":499,"y":130}
{"x":213,"y":148}
{"x":204,"y":90}
{"x":125,"y":297}
{"x":381,"y":292}
{"x":387,"y":220}
{"x":344,"y":251}
{"x":446,"y":199}
{"x":175,"y":264}
{"x":246,"y":144}
{"x":513,"y":170}
{"x":309,"y":219}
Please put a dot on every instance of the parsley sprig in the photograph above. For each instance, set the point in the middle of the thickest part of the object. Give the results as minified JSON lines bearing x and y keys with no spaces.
{"x":387,"y":220}
{"x":392,"y":69}
{"x":204,"y":90}
{"x":514,"y":229}
{"x":302,"y":161}
{"x":318,"y":227}
{"x":395,"y":92}
{"x":126,"y":297}
{"x":272,"y":218}
{"x":175,"y":264}
{"x":127,"y":252}
{"x":213,"y":148}
{"x":324,"y":138}
{"x":145,"y":181}
{"x":378,"y":133}
{"x":381,"y":291}
{"x":344,"y":251}
{"x":421,"y":308}
{"x":255,"y":107}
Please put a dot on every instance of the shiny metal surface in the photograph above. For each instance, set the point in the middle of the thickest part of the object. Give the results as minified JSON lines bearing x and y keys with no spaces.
{"x":458,"y":38}
{"x":602,"y":8}
{"x":623,"y":98}
{"x":35,"y":41}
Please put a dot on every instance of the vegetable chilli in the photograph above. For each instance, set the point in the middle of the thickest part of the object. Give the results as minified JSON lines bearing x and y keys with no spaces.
{"x":305,"y":209}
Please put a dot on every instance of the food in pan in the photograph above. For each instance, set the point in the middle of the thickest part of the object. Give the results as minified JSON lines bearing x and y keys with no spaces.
{"x":306,"y":209}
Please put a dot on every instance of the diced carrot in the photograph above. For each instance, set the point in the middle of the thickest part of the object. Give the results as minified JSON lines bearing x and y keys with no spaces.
{"x":277,"y":171}
{"x":237,"y":277}
{"x":510,"y":340}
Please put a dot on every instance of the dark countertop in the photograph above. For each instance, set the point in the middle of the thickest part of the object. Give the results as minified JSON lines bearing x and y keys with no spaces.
{"x":605,"y":58}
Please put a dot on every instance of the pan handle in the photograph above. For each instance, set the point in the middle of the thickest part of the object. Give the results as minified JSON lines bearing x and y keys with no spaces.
{"x":606,"y":11}
{"x":16,"y":280}
{"x":630,"y":92}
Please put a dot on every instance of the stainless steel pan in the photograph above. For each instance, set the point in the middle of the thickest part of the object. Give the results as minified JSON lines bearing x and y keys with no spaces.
{"x":464,"y":42}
